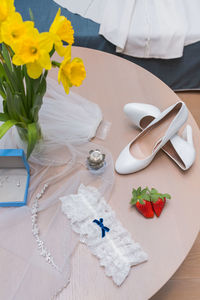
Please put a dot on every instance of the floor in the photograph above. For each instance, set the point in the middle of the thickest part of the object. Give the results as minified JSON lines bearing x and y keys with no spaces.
{"x":185,"y":283}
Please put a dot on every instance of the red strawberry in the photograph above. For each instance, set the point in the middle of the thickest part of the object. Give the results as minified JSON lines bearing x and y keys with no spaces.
{"x":158,"y":206}
{"x":141,"y":199}
{"x":158,"y":201}
{"x":145,"y":209}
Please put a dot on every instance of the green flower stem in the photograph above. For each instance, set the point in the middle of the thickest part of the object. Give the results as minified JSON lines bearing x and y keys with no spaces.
{"x":6,"y":56}
{"x":45,"y":73}
{"x":1,"y":57}
{"x":10,"y":51}
{"x":55,"y":63}
{"x":3,"y":95}
{"x":52,"y":51}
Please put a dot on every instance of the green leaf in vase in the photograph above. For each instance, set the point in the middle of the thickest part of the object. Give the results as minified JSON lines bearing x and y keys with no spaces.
{"x":29,"y":91}
{"x":38,"y":100}
{"x":2,"y":71}
{"x":19,"y":78}
{"x":19,"y":107}
{"x":4,"y":117}
{"x":32,"y":137}
{"x":43,"y":85}
{"x":10,"y":102}
{"x":6,"y":126}
{"x":6,"y":56}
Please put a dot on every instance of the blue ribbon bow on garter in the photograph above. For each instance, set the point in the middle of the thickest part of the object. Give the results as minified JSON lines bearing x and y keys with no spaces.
{"x":104,"y":229}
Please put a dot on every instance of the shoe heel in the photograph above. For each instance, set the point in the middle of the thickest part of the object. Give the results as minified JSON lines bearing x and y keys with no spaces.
{"x":141,"y":114}
{"x":187,"y":135}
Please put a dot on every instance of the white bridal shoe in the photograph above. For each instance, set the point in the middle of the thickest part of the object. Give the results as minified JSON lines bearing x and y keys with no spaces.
{"x":180,"y":149}
{"x":140,"y":152}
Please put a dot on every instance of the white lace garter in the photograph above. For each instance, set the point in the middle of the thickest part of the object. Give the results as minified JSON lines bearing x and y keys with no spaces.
{"x":104,"y":235}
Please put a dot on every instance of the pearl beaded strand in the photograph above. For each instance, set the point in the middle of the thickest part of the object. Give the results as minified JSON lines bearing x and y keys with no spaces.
{"x":35,"y":230}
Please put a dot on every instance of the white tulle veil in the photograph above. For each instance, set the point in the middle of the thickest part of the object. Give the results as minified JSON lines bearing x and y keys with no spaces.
{"x":68,"y":123}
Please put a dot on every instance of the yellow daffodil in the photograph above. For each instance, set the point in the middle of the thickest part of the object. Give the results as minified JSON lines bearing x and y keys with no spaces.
{"x":33,"y":50}
{"x":6,"y":9}
{"x":13,"y":29}
{"x":71,"y":72}
{"x":61,"y":30}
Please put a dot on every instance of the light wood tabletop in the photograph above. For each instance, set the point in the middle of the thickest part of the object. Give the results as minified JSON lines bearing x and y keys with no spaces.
{"x":112,"y":82}
{"x":185,"y":283}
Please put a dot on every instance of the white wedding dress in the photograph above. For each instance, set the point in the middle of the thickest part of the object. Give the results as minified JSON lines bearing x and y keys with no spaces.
{"x":91,"y":9}
{"x":143,"y":28}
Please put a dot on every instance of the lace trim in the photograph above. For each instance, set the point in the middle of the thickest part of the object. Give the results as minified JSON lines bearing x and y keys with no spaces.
{"x":116,"y":251}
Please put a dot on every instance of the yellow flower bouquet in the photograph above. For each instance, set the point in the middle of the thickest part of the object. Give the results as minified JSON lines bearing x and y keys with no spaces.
{"x":25,"y":58}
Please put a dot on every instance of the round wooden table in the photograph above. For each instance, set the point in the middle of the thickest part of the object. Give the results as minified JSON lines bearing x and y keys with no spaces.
{"x":112,"y":82}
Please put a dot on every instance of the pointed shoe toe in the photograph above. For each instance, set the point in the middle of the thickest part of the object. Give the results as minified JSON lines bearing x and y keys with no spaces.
{"x":127,"y":163}
{"x":139,"y":153}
